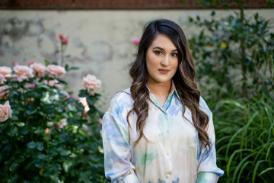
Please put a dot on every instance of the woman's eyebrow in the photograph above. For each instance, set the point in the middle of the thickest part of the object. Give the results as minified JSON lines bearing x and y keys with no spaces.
{"x":157,"y":47}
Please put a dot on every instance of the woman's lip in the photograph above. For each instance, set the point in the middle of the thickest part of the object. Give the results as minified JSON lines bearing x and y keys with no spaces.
{"x":163,"y":71}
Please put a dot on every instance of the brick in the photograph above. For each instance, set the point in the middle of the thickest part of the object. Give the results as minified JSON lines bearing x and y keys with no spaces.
{"x":121,"y":4}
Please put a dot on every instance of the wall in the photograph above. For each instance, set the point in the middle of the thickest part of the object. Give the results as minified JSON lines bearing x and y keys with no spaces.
{"x":100,"y":41}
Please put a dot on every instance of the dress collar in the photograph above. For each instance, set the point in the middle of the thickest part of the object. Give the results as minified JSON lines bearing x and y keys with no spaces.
{"x":167,"y":103}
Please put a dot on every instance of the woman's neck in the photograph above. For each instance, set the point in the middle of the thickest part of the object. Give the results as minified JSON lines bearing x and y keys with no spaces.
{"x":160,"y":90}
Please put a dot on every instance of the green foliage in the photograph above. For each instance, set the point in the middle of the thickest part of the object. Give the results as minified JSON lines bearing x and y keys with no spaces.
{"x":49,"y":138}
{"x":234,"y":54}
{"x":245,"y":139}
{"x":234,"y":57}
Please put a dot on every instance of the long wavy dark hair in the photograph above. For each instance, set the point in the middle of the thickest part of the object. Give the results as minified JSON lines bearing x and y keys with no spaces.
{"x":184,"y":78}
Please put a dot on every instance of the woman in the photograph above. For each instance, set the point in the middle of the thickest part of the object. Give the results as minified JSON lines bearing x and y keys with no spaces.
{"x":160,"y":129}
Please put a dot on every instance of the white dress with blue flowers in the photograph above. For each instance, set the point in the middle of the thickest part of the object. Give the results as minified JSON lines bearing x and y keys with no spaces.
{"x":169,"y":151}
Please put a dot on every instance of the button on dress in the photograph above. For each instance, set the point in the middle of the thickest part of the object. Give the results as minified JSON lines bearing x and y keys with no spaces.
{"x":169,"y":151}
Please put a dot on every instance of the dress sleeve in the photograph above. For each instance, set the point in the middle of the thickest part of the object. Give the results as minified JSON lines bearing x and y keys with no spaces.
{"x":117,"y":149}
{"x":208,"y":172}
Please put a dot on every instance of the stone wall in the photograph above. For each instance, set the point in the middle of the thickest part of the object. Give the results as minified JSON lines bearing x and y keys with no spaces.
{"x":99,"y":41}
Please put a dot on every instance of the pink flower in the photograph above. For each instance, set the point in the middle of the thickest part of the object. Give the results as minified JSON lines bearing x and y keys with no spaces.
{"x":55,"y":83}
{"x":56,"y":70}
{"x":136,"y":41}
{"x":84,"y":102}
{"x":3,"y":91}
{"x":52,"y":82}
{"x":5,"y":111}
{"x":91,"y":83}
{"x":64,"y":39}
{"x":39,"y":69}
{"x":23,"y":72}
{"x":5,"y":72}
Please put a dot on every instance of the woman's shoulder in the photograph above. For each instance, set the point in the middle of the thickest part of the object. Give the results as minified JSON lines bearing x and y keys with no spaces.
{"x":122,"y":98}
{"x":122,"y":94}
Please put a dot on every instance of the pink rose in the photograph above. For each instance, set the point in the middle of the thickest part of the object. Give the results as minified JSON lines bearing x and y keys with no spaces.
{"x":56,"y":70}
{"x":3,"y":91}
{"x":5,"y":111}
{"x":39,"y":69}
{"x":52,"y":82}
{"x":64,"y":39}
{"x":5,"y":72}
{"x":23,"y":72}
{"x":135,"y":41}
{"x":91,"y":83}
{"x":55,"y":83}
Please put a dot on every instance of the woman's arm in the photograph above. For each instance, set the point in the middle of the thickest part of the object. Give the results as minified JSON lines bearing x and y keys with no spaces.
{"x":208,"y":172}
{"x":117,"y":149}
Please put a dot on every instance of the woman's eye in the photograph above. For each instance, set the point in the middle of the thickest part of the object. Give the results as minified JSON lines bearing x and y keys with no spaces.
{"x":174,"y":54}
{"x":156,"y":52}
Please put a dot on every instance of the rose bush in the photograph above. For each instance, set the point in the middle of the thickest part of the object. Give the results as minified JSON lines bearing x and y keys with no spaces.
{"x":46,"y":133}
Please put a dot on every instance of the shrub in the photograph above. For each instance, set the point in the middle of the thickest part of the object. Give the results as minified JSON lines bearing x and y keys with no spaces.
{"x":234,"y":55}
{"x":46,"y":134}
{"x":234,"y":58}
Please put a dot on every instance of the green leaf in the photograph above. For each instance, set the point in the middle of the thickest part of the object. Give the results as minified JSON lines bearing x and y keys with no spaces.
{"x":42,"y":156}
{"x":83,"y":93}
{"x":39,"y":146}
{"x":91,"y":100}
{"x":31,"y":145}
{"x":67,"y":165}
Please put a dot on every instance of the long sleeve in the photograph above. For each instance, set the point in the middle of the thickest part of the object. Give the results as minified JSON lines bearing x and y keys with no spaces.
{"x":208,"y":172}
{"x":117,"y":149}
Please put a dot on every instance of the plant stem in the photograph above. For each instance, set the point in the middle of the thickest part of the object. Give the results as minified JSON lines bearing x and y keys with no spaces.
{"x":61,"y":61}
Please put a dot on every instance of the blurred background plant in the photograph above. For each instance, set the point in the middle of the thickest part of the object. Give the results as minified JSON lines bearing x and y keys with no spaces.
{"x":234,"y":58}
{"x":245,"y":139}
{"x":46,"y":133}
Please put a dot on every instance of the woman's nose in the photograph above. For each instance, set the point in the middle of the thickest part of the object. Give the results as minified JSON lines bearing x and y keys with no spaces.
{"x":165,"y":61}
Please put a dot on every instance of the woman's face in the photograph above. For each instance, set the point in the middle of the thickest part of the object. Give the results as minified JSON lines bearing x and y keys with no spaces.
{"x":161,"y":59}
